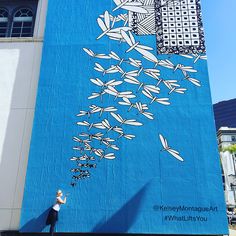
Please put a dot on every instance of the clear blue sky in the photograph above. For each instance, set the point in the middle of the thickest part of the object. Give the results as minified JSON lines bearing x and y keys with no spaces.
{"x":219,"y":18}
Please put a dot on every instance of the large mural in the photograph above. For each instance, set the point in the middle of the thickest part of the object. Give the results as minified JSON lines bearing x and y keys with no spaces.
{"x":124,"y":121}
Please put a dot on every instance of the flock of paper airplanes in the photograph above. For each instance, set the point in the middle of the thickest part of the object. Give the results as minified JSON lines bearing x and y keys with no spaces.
{"x":99,"y":139}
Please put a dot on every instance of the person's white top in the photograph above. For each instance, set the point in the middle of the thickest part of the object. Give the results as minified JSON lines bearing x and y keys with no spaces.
{"x":57,"y":205}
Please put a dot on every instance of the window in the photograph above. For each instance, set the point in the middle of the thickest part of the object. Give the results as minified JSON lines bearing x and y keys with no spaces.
{"x":17,"y":18}
{"x":233,"y":138}
{"x":22,"y":24}
{"x":3,"y":22}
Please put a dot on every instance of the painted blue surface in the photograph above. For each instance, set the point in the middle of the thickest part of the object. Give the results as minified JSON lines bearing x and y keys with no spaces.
{"x":121,"y":195}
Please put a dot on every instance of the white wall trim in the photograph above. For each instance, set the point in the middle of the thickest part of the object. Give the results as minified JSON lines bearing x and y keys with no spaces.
{"x":20,"y":40}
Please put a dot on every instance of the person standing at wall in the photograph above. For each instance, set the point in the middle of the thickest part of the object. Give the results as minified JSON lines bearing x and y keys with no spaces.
{"x":53,"y":213}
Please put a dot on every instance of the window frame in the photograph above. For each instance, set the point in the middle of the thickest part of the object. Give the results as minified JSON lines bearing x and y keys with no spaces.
{"x":8,"y":21}
{"x":12,"y":22}
{"x":12,"y":7}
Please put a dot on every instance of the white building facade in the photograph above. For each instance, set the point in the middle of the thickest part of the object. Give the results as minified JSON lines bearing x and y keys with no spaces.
{"x":20,"y":58}
{"x":226,"y":137}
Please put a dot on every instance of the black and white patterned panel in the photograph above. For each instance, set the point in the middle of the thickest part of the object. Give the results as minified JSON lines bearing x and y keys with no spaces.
{"x":144,"y":24}
{"x":179,"y":27}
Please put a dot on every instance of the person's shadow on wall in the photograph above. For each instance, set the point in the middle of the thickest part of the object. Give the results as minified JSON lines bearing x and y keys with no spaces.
{"x":125,"y":217}
{"x":36,"y":224}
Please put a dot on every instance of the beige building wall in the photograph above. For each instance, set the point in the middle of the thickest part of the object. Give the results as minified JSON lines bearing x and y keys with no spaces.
{"x":20,"y":60}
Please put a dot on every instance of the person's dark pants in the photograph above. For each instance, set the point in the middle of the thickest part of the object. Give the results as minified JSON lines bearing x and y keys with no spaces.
{"x":52,"y":228}
{"x":51,"y":220}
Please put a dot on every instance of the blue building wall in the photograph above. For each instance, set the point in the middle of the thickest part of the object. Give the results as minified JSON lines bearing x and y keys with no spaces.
{"x":225,"y":114}
{"x":146,"y":188}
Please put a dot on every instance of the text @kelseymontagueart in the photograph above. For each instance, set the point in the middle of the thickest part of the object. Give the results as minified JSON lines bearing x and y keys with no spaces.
{"x":183,"y":208}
